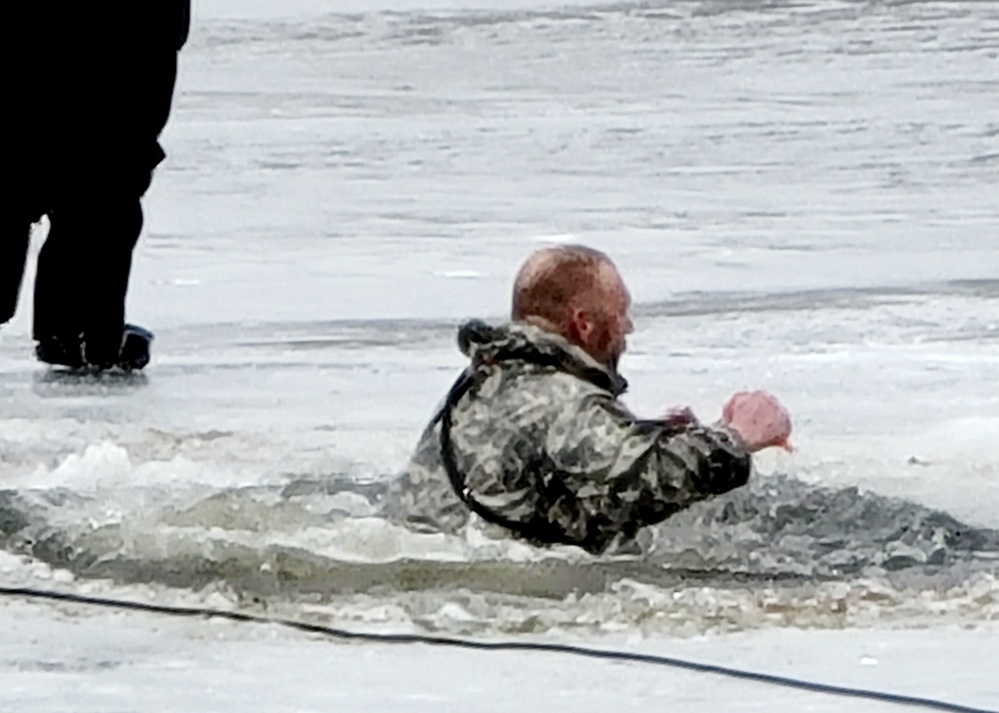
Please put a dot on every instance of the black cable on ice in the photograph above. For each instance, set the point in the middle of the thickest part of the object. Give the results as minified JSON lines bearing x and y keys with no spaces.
{"x":552,"y":648}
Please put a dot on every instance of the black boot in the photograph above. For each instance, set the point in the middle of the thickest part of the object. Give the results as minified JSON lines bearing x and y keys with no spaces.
{"x":133,"y":354}
{"x":135,"y":343}
{"x":61,"y":351}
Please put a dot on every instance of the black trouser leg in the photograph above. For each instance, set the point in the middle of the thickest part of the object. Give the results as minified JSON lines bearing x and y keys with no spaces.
{"x":83,"y":271}
{"x":110,"y":97}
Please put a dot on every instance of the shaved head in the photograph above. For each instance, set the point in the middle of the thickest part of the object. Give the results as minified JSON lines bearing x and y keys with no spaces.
{"x":578,"y":293}
{"x":553,"y":279}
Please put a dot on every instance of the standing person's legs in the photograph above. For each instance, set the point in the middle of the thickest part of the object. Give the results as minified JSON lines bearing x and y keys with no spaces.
{"x":84,"y":266}
{"x":82,"y":280}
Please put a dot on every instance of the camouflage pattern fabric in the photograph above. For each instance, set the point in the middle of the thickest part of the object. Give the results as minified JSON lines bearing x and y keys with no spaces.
{"x":540,"y":440}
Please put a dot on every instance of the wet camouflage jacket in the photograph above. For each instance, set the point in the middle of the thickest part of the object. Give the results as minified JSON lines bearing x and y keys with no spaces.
{"x":534,"y":438}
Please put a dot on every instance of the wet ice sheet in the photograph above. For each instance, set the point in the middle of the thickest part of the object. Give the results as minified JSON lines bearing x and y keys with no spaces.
{"x":343,"y":165}
{"x":59,"y":656}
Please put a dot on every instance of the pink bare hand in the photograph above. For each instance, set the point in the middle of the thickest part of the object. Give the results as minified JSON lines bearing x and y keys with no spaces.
{"x":759,"y":419}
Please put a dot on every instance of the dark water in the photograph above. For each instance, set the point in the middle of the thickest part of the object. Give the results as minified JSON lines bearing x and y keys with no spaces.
{"x":780,"y":538}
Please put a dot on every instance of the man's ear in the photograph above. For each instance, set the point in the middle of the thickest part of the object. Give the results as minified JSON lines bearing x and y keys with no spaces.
{"x":580,"y":325}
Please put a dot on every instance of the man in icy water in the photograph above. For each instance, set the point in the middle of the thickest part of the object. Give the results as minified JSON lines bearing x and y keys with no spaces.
{"x":87,"y":102}
{"x":533,"y":436}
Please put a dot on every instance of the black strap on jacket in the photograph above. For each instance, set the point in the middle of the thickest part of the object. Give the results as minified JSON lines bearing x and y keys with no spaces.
{"x":537,"y":528}
{"x":532,"y":529}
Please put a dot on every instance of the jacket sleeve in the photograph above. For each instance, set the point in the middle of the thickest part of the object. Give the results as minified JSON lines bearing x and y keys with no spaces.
{"x":614,"y":473}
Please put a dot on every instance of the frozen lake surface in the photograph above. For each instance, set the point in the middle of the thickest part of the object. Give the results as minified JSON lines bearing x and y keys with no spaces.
{"x":802,"y":196}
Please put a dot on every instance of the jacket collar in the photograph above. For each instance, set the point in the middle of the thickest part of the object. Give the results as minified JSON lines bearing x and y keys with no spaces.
{"x":520,"y":341}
